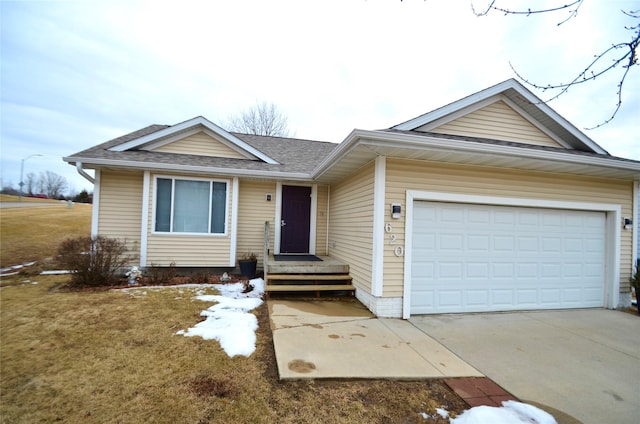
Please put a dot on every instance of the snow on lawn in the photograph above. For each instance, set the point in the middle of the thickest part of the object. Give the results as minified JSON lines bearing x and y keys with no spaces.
{"x":511,"y":412}
{"x":230,"y":320}
{"x":232,"y":324}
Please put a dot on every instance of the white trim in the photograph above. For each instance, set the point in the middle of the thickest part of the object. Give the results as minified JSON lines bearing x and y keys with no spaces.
{"x":208,"y":170}
{"x":495,"y":90}
{"x":613,"y":228}
{"x":144,"y":219}
{"x":328,"y":220}
{"x":487,"y":102}
{"x":186,"y":125}
{"x":235,"y":199}
{"x":95,"y":209}
{"x":421,"y":142}
{"x":428,"y":126}
{"x":379,"y":189}
{"x":189,"y":178}
{"x":535,"y":122}
{"x":277,"y":228}
{"x":154,"y":145}
{"x":313,"y":219}
{"x":454,"y":107}
{"x":636,"y":223}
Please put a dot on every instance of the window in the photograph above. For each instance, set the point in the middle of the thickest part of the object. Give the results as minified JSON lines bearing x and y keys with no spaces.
{"x":190,"y":206}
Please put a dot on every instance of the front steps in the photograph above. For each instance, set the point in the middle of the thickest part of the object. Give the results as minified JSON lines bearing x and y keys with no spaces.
{"x":330,"y":275}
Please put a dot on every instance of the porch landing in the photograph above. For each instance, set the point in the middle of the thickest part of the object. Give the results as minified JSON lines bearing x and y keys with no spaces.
{"x":328,"y":265}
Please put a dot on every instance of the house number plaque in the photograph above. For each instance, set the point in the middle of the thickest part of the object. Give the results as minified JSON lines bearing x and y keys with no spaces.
{"x":393,"y":239}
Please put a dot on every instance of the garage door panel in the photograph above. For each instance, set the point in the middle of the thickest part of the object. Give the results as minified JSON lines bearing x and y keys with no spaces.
{"x":502,"y":297}
{"x":474,"y":258}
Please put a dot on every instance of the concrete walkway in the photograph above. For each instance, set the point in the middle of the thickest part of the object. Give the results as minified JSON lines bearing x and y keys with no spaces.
{"x":342,"y":339}
{"x":585,"y":363}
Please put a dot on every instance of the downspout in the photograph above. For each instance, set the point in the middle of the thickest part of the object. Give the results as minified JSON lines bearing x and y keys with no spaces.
{"x":84,"y":173}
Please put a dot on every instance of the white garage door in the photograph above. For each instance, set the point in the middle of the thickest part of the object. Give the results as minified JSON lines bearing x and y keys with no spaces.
{"x":475,"y":258}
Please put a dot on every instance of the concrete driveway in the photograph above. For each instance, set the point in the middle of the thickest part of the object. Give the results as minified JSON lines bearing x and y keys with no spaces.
{"x":585,"y":363}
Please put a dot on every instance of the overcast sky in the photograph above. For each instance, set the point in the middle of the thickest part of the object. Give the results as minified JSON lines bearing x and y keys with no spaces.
{"x":78,"y":73}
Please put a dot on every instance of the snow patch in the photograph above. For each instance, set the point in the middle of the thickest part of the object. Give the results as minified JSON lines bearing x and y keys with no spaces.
{"x":230,"y":320}
{"x":511,"y":412}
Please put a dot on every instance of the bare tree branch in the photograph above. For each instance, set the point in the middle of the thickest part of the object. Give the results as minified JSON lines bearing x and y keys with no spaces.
{"x":491,"y":6}
{"x":623,"y":55}
{"x":261,"y":119}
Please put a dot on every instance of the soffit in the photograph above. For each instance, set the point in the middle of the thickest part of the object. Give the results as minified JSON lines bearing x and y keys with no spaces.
{"x":501,"y":155}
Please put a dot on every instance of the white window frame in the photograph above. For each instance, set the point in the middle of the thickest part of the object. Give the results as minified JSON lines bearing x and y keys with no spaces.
{"x":173,"y":179}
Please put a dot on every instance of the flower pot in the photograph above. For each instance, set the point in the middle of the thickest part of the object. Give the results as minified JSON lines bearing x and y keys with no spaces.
{"x":248,"y":268}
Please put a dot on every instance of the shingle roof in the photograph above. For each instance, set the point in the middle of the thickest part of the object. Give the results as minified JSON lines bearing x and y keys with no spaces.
{"x":508,"y":143}
{"x":293,"y":155}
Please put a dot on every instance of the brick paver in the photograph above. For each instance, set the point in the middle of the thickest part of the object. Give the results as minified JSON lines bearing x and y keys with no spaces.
{"x":479,"y":391}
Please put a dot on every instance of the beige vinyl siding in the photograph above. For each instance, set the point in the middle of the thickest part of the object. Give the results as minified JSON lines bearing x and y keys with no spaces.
{"x":403,"y":175}
{"x":120,"y":207}
{"x":322,"y":221}
{"x":497,"y":121}
{"x":351,"y":224}
{"x":188,"y":250}
{"x":253,"y":211}
{"x":200,"y":144}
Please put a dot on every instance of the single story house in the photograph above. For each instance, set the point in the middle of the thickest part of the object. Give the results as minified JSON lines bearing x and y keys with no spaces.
{"x":491,"y":203}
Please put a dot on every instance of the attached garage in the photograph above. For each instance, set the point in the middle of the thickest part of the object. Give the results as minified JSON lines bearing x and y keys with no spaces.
{"x":478,"y":257}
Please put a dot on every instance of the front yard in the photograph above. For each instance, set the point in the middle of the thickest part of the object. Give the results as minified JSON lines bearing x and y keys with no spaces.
{"x":109,"y":356}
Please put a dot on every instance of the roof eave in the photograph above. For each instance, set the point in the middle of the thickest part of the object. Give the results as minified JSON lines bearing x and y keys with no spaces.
{"x":194,"y":169}
{"x":385,"y":140}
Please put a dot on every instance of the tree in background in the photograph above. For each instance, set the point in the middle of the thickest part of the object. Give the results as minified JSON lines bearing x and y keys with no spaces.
{"x":48,"y":183}
{"x":83,"y":197}
{"x":261,"y":119}
{"x":30,"y":183}
{"x":621,"y":56}
{"x":52,"y":184}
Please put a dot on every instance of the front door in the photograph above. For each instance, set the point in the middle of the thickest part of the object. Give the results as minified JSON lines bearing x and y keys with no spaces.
{"x":296,"y":223}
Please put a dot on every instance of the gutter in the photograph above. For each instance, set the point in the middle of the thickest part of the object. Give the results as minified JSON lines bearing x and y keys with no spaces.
{"x":401,"y":140}
{"x":151,"y":166}
{"x":82,"y":172}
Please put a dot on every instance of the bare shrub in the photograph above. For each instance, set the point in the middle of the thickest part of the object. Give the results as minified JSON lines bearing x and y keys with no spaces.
{"x":200,"y":278}
{"x":161,"y":275}
{"x":93,"y":262}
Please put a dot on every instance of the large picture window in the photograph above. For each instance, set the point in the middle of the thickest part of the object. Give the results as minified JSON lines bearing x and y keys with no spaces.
{"x":190,"y":206}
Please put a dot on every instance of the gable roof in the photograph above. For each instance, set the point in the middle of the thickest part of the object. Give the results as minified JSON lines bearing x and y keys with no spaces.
{"x":521,"y":100}
{"x":168,"y":133}
{"x":291,"y":158}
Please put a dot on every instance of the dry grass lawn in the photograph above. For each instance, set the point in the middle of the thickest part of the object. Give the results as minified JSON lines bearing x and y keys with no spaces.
{"x":34,"y":233}
{"x":110,"y":357}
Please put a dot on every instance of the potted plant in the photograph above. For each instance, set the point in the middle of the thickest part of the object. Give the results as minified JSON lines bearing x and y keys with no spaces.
{"x":635,"y":283}
{"x":248,"y":263}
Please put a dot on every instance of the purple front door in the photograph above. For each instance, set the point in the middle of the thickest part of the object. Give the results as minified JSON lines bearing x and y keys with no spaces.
{"x":296,"y":223}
